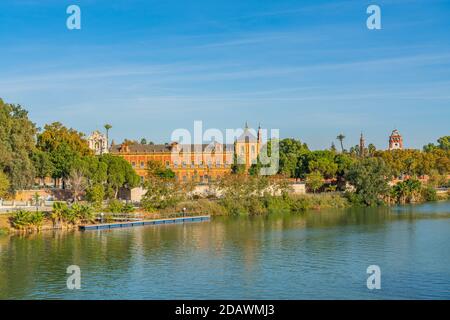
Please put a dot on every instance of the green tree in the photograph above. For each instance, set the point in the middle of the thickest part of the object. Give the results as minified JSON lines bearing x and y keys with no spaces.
{"x":371,"y":149}
{"x":237,"y":167}
{"x":240,"y":193}
{"x":43,"y":165}
{"x":370,"y":178}
{"x":63,"y":159}
{"x":56,"y":133}
{"x":341,"y":138}
{"x":320,"y":160}
{"x":429,"y":147}
{"x":407,"y":191}
{"x":23,"y":219}
{"x":4,"y":185}
{"x":444,"y":143}
{"x":344,"y":163}
{"x":162,"y":193}
{"x":323,"y":162}
{"x":291,"y":152}
{"x":143,"y":141}
{"x":64,"y":146}
{"x":94,"y":170}
{"x":314,"y":181}
{"x":437,"y":180}
{"x":255,"y":169}
{"x":95,"y":195}
{"x":58,"y":213}
{"x":82,"y":212}
{"x":156,"y":169}
{"x":107,"y":128}
{"x":120,"y":174}
{"x":17,"y":144}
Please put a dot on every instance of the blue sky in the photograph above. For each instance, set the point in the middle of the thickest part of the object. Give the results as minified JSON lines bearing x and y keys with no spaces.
{"x":309,"y":68}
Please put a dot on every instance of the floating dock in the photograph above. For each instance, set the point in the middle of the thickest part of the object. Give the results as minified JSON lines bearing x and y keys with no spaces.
{"x":127,"y":224}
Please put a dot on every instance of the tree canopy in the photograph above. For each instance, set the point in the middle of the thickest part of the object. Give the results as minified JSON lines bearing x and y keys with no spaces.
{"x":370,"y":178}
{"x":17,"y":144}
{"x":119,"y":173}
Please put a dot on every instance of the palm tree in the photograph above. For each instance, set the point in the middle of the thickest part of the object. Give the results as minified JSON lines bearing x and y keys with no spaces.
{"x":341,"y":138}
{"x":371,"y":148}
{"x":58,"y":212}
{"x":107,"y":127}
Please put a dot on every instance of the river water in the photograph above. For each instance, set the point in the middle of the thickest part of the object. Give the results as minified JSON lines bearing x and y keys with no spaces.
{"x":314,"y":255}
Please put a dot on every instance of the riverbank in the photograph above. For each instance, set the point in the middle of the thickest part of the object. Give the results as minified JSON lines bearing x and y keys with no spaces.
{"x":212,"y":207}
{"x":265,"y":205}
{"x":4,"y":224}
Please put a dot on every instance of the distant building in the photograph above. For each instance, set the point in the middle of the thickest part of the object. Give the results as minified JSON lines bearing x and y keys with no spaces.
{"x":195,"y":162}
{"x":98,"y":143}
{"x":395,"y":141}
{"x":362,"y":146}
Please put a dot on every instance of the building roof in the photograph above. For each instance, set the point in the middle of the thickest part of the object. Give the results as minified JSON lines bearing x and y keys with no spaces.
{"x":395,"y":133}
{"x":247,"y":136}
{"x":161,"y":148}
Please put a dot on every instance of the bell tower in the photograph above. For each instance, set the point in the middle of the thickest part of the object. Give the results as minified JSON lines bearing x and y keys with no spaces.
{"x":362,"y":146}
{"x":395,"y":140}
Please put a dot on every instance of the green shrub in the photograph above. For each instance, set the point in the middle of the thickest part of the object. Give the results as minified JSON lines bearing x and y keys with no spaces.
{"x":277,"y":204}
{"x":300,"y":204}
{"x":95,"y":195}
{"x":200,"y":206}
{"x":234,"y":207}
{"x":4,"y":231}
{"x":128,"y":208}
{"x":255,"y":206}
{"x":115,"y":206}
{"x":23,"y":219}
{"x":69,"y":216}
{"x":81,"y":212}
{"x":429,"y":194}
{"x":354,"y":198}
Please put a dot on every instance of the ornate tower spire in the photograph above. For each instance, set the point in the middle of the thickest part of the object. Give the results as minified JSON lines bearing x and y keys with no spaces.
{"x":362,"y":147}
{"x":395,"y":140}
{"x":259,"y":135}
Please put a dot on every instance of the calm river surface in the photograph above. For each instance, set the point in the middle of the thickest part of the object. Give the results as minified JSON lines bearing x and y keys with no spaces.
{"x":315,"y":255}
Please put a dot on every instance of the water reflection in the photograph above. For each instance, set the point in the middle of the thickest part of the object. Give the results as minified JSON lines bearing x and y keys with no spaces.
{"x":311,"y":255}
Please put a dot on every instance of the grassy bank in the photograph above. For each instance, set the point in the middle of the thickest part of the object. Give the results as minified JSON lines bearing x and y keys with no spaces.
{"x":262,"y":205}
{"x":4,"y":224}
{"x":69,"y":217}
{"x":283,"y":204}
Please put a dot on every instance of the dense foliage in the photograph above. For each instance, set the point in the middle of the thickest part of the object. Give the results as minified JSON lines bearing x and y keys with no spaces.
{"x":162,"y":189}
{"x":17,"y":144}
{"x":29,"y":155}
